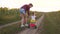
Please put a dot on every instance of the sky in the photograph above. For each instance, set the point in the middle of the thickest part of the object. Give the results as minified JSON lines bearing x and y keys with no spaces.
{"x":38,"y":5}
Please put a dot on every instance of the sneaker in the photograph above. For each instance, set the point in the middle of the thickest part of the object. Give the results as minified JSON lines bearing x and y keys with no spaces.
{"x":26,"y":24}
{"x":22,"y":25}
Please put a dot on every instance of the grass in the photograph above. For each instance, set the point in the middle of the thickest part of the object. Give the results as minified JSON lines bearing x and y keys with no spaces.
{"x":12,"y":16}
{"x":38,"y":15}
{"x":8,"y":19}
{"x":9,"y":16}
{"x":51,"y":23}
{"x":11,"y":29}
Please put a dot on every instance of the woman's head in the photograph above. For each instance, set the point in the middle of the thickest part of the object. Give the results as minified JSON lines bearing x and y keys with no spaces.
{"x":31,"y":5}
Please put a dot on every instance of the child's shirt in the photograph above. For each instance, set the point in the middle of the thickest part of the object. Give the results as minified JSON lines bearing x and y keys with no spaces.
{"x":33,"y":17}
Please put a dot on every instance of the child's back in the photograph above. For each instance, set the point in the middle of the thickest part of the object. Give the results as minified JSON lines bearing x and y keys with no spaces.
{"x":33,"y":18}
{"x":33,"y":21}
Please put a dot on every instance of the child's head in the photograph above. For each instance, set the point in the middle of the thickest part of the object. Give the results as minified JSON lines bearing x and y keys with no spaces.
{"x":33,"y":13}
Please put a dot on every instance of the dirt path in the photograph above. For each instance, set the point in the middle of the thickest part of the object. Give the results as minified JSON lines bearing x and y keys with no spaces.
{"x":9,"y":24}
{"x":33,"y":31}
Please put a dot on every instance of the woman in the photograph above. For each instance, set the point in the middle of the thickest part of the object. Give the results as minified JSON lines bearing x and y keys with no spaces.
{"x":25,"y":10}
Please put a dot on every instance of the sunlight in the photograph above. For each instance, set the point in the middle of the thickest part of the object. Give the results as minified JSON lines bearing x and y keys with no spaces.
{"x":39,"y":5}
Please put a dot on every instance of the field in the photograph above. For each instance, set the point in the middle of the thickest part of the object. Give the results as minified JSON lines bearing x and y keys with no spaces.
{"x":51,"y":23}
{"x":11,"y":29}
{"x":12,"y":15}
{"x":9,"y":16}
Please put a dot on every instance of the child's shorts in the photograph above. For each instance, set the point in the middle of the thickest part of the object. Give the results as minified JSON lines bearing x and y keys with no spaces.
{"x":22,"y":11}
{"x":33,"y":21}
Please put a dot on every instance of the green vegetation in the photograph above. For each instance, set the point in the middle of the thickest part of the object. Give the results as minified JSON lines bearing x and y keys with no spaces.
{"x":11,"y":29}
{"x":8,"y":15}
{"x":51,"y":23}
{"x":38,"y":15}
{"x":11,"y":15}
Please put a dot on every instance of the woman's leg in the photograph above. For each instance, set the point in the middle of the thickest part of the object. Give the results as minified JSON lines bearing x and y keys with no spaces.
{"x":26,"y":19}
{"x":26,"y":24}
{"x":22,"y":13}
{"x":22,"y":20}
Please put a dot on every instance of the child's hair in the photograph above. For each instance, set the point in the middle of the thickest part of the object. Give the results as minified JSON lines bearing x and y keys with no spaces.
{"x":33,"y":13}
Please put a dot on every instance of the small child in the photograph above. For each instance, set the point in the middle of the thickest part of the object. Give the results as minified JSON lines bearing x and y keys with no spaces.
{"x":33,"y":20}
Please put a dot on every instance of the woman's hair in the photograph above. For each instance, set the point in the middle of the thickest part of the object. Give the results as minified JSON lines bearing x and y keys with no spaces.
{"x":31,"y":4}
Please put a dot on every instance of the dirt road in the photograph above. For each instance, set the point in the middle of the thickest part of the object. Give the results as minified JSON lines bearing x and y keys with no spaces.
{"x":33,"y":31}
{"x":9,"y":24}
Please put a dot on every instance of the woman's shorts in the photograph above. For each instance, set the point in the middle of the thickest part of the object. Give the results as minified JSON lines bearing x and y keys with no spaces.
{"x":22,"y":11}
